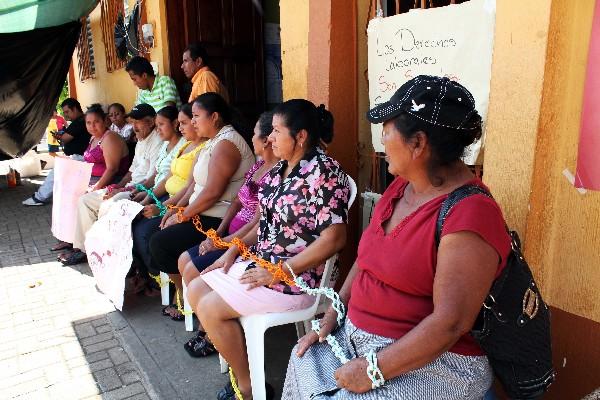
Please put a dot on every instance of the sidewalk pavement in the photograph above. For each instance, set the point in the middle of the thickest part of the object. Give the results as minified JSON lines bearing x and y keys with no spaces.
{"x":62,"y":339}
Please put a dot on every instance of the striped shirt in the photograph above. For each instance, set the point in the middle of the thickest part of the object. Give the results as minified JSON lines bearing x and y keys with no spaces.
{"x":163,"y":91}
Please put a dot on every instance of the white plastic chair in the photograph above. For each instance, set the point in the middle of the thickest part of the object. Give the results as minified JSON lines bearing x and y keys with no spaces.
{"x":164,"y":288}
{"x":255,"y":326}
{"x":187,"y":309}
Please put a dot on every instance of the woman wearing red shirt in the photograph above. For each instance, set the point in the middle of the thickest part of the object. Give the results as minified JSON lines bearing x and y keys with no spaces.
{"x":412,"y":303}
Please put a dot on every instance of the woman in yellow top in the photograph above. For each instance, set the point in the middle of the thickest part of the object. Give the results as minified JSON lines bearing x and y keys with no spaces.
{"x":176,"y":186}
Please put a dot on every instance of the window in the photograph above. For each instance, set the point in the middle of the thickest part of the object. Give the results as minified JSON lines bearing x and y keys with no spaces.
{"x":110,"y":11}
{"x":85,"y":51}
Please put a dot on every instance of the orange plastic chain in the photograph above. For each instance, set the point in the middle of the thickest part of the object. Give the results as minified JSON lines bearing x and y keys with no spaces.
{"x":275,"y":269}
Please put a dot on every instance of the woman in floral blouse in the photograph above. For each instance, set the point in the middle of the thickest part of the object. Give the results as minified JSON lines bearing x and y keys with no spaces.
{"x":304,"y":208}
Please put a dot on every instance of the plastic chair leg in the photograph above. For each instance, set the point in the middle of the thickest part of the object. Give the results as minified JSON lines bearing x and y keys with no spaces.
{"x":255,"y":343}
{"x":223,"y":364}
{"x":300,"y":329}
{"x":164,"y":289}
{"x":189,"y":319}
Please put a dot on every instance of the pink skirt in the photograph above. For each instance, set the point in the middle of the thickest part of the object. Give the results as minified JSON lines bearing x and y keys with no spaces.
{"x":259,"y":300}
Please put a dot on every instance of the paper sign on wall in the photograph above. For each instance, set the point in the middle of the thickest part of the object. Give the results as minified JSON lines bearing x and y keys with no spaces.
{"x":71,"y":180}
{"x":109,"y":247}
{"x":455,"y":41}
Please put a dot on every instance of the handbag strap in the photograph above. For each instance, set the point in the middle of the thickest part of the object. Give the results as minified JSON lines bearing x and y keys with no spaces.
{"x":453,"y":198}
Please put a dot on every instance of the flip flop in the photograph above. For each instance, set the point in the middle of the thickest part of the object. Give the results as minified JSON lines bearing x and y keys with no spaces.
{"x":200,"y":348}
{"x":64,"y":255}
{"x":61,"y":246}
{"x":227,"y":393}
{"x":77,"y":257}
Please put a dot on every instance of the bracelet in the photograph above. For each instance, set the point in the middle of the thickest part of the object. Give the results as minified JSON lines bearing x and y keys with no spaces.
{"x":373,"y":371}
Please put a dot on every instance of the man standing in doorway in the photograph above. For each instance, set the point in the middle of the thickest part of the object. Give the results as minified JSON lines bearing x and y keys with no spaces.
{"x":74,"y":139}
{"x":158,"y":91}
{"x":195,"y":68}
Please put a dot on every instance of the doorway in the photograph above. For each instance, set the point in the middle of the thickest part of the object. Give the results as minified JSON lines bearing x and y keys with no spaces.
{"x":232,"y":33}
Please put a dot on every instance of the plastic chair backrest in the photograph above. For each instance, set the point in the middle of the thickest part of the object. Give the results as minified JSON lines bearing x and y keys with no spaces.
{"x":330,"y":263}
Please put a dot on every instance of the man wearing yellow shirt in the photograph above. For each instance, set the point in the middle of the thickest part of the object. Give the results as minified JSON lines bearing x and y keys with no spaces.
{"x":195,"y":68}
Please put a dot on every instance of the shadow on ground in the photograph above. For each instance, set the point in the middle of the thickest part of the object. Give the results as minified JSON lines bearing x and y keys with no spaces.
{"x":160,"y":342}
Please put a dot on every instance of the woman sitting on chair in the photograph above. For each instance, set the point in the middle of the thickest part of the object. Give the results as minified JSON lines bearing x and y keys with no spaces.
{"x":413,"y":295}
{"x":218,"y":174}
{"x":241,"y":216}
{"x":303,"y":213}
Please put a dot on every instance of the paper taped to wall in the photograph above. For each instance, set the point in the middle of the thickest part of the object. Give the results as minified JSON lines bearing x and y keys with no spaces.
{"x":455,"y":41}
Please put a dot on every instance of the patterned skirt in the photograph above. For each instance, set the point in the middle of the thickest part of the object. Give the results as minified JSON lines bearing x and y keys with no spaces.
{"x":451,"y":376}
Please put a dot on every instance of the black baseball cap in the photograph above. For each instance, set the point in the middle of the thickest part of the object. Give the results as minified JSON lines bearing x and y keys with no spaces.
{"x":438,"y":101}
{"x":141,"y":111}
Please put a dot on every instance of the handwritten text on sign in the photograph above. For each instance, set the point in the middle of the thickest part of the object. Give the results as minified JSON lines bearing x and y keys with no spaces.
{"x":454,"y":41}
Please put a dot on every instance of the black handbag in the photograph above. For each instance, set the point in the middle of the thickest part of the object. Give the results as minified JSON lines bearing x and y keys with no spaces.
{"x":513,"y":326}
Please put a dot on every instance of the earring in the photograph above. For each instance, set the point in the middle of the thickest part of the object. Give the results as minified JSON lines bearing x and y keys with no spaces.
{"x":301,"y":144}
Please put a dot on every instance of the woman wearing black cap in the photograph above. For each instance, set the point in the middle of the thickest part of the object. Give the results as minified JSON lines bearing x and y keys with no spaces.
{"x":411,"y":302}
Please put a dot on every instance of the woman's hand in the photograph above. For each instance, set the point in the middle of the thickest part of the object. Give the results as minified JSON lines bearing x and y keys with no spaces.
{"x":206,"y":247}
{"x":225,"y":261}
{"x":166,"y":217}
{"x":353,"y":377}
{"x":137,"y":197}
{"x":328,"y":323}
{"x":150,"y":211}
{"x":172,"y":220}
{"x":256,"y":277}
{"x":147,"y":201}
{"x":110,"y":193}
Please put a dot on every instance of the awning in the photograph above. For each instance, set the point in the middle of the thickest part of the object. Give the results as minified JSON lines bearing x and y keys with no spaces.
{"x":37,"y":39}
{"x":26,"y":15}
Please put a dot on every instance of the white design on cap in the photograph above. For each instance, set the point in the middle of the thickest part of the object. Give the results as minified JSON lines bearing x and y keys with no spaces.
{"x":417,"y":107}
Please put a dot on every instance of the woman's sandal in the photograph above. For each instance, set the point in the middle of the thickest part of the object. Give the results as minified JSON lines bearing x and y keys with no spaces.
{"x":227,"y":393}
{"x":166,"y":310}
{"x":61,"y":246}
{"x":76,"y":257}
{"x":173,"y":312}
{"x":189,"y":345}
{"x":64,"y":255}
{"x":200,"y":347}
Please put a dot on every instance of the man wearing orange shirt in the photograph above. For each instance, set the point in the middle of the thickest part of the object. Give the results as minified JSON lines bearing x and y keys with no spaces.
{"x":195,"y":68}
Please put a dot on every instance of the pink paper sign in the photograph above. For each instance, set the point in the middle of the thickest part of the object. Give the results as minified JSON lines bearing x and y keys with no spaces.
{"x":109,"y":247}
{"x":588,"y":166}
{"x":71,"y":179}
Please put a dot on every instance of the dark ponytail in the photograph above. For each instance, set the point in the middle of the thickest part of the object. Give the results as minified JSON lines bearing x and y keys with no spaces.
{"x":299,"y":114}
{"x":325,"y":124}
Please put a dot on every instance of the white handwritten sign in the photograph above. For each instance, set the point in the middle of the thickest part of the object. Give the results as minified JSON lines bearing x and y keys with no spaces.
{"x":455,"y":41}
{"x":71,"y":179}
{"x":108,"y":245}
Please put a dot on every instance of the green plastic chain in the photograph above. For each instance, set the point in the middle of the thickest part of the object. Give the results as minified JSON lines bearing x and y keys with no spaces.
{"x":161,"y":207}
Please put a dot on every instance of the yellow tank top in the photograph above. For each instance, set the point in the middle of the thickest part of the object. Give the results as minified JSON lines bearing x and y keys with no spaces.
{"x":181,"y":168}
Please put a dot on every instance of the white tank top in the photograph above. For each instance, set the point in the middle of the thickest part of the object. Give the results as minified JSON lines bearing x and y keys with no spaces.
{"x":201,"y":170}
